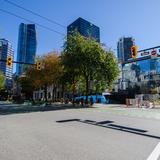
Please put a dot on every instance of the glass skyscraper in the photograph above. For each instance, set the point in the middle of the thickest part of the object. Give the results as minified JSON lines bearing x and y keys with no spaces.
{"x":124,"y":48}
{"x":6,"y":50}
{"x":27,"y":45}
{"x":85,"y":28}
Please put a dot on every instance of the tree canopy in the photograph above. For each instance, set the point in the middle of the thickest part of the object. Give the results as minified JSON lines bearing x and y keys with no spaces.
{"x":84,"y":65}
{"x":2,"y":81}
{"x":50,"y":73}
{"x":86,"y":58}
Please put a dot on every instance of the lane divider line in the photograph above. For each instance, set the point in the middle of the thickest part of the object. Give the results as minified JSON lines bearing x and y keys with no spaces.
{"x":155,"y":154}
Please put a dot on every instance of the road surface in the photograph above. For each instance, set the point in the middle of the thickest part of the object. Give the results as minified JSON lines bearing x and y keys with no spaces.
{"x":100,"y":133}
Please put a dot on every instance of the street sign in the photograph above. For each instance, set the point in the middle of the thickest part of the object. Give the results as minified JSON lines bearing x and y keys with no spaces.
{"x":144,"y":53}
{"x":154,"y":53}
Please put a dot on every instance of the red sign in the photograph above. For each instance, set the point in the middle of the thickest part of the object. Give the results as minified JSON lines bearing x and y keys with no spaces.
{"x":154,"y":52}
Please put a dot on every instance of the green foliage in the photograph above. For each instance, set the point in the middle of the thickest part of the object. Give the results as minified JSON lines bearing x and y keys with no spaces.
{"x":2,"y":81}
{"x":26,"y":85}
{"x":85,"y":58}
{"x":83,"y":61}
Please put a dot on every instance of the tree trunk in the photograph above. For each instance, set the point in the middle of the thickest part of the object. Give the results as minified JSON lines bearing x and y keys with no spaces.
{"x":63,"y":91}
{"x":53,"y":93}
{"x":87,"y":87}
{"x":73,"y":92}
{"x":96,"y":93}
{"x":45,"y":93}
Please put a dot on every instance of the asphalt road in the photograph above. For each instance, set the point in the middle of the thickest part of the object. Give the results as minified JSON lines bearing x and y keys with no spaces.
{"x":102,"y":133}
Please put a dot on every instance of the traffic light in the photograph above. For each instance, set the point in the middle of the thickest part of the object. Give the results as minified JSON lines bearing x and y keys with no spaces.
{"x":134,"y":51}
{"x":9,"y":61}
{"x":38,"y":66}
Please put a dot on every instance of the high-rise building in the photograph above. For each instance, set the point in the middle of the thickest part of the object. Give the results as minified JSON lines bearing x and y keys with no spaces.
{"x":124,"y":48}
{"x":6,"y":50}
{"x":85,"y":28}
{"x":27,"y":45}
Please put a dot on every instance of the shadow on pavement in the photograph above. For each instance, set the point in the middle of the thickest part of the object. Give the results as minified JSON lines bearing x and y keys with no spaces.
{"x":108,"y":124}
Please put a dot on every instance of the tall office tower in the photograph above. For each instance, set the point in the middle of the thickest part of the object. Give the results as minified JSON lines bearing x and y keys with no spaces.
{"x":85,"y":28}
{"x":124,"y":48}
{"x":27,"y":45}
{"x":6,"y":50}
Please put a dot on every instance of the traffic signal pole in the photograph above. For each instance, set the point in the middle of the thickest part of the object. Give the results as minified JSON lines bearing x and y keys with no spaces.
{"x":149,"y":49}
{"x":134,"y":50}
{"x":2,"y":60}
{"x":9,"y":62}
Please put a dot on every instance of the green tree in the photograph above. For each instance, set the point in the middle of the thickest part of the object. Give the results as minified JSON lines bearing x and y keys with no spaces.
{"x":2,"y":81}
{"x":71,"y":62}
{"x":27,"y":86}
{"x":87,"y":58}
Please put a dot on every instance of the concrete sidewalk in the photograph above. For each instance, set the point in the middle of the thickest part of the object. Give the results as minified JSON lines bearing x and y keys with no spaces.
{"x":122,"y":110}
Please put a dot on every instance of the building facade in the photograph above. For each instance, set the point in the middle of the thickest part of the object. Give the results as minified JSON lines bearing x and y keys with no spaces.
{"x":27,"y":45}
{"x":142,"y":74}
{"x":6,"y":50}
{"x":124,"y":48}
{"x":85,"y":28}
{"x":54,"y":93}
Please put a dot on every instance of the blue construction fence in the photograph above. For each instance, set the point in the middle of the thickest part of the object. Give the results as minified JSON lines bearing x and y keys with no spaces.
{"x":96,"y":98}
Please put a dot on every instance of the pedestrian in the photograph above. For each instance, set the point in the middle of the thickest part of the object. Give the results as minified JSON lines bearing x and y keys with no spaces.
{"x":82,"y":101}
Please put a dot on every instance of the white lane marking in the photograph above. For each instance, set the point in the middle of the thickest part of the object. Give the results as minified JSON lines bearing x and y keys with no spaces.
{"x":155,"y":154}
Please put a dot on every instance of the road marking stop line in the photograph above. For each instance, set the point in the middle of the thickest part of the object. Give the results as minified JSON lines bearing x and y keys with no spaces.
{"x":155,"y":154}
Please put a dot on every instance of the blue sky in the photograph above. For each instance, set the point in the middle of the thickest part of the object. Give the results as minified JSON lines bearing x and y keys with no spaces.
{"x":116,"y":18}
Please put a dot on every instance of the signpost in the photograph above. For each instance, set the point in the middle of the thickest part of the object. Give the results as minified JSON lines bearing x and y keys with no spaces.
{"x":145,"y":54}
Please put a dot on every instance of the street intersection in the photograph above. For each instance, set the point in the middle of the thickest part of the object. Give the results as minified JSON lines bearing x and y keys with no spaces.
{"x":103,"y":132}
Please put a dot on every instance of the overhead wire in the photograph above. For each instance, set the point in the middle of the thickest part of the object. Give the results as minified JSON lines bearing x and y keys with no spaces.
{"x":38,"y":24}
{"x":34,"y":13}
